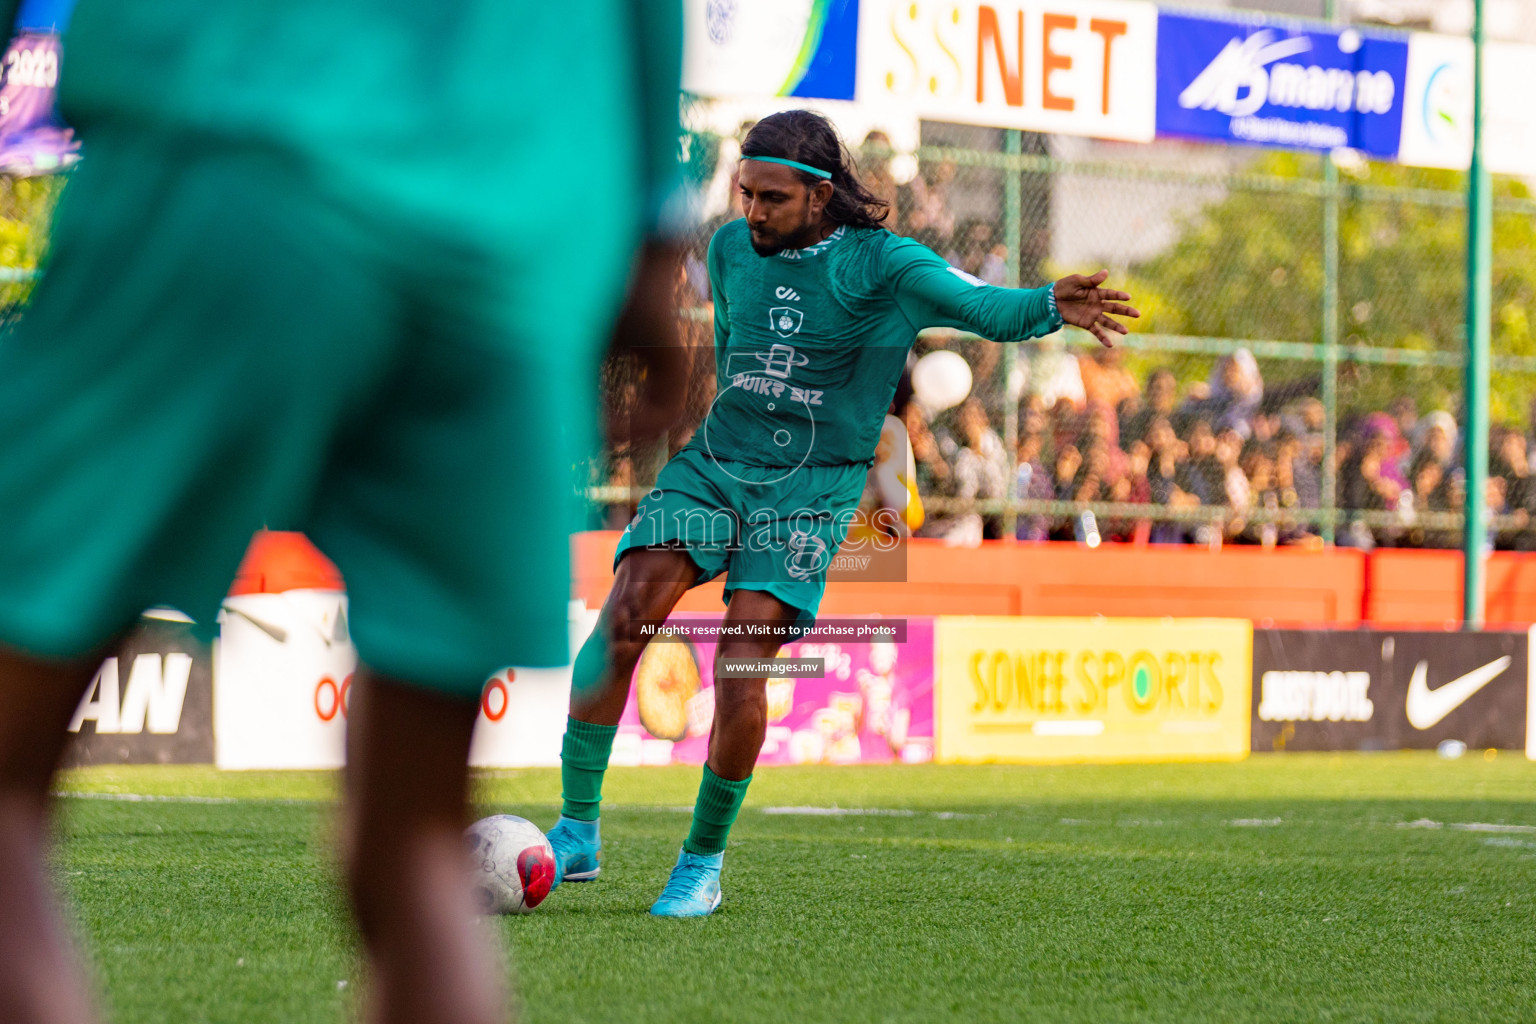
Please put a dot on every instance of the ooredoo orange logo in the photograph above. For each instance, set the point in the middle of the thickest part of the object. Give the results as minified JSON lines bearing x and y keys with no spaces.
{"x":332,"y":700}
{"x":493,"y":699}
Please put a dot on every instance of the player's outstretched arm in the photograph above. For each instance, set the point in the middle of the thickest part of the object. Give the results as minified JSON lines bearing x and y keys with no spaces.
{"x":1081,"y":302}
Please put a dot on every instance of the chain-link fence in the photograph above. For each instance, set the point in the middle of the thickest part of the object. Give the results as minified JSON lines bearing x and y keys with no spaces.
{"x":26,"y":209}
{"x":1295,"y":377}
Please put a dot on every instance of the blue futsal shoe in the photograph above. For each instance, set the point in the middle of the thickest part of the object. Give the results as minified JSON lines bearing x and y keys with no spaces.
{"x":694,"y":888}
{"x":578,"y":850}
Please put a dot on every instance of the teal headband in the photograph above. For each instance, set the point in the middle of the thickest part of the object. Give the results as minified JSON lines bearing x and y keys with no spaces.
{"x":797,"y":165}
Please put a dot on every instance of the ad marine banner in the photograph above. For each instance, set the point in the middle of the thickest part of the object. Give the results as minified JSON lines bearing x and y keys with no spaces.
{"x":1074,"y":690}
{"x":1268,"y":81}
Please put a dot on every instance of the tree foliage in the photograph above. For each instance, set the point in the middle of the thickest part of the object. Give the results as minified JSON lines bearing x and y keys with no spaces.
{"x":1251,"y":266}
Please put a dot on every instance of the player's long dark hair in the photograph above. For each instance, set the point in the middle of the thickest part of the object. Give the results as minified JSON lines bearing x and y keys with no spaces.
{"x":808,"y":138}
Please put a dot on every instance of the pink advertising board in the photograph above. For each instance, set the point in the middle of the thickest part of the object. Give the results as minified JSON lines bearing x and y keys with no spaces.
{"x":873,"y":705}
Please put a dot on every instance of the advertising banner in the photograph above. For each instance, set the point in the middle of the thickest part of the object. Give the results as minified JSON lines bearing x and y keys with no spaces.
{"x":1388,"y":690}
{"x":1437,"y":106}
{"x":760,"y":48}
{"x":282,"y":679}
{"x":1061,"y":690}
{"x":523,"y":710}
{"x":151,"y":702}
{"x":522,"y":718}
{"x":872,"y":705}
{"x":1530,"y":699}
{"x":32,"y":138}
{"x":1084,"y":67}
{"x":1276,"y":82}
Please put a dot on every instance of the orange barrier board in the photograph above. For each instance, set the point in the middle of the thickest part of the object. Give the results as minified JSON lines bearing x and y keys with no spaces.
{"x":1423,"y":588}
{"x":1279,"y":587}
{"x":1282,"y":586}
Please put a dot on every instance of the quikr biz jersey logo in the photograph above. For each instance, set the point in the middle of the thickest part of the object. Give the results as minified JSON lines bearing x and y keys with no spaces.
{"x":780,"y":361}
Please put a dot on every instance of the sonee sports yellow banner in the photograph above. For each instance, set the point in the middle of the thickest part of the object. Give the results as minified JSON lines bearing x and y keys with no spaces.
{"x":1054,"y":690}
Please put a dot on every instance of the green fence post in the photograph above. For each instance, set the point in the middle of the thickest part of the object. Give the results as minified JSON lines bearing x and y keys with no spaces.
{"x":1330,"y":334}
{"x":1013,"y":144}
{"x":1479,"y":303}
{"x":1330,"y":327}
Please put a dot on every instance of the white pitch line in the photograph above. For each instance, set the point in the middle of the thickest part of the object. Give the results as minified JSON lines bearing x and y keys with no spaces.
{"x":839,"y":812}
{"x":1479,"y":826}
{"x":868,"y":812}
{"x":146,"y":798}
{"x":151,"y":798}
{"x":1467,"y":826}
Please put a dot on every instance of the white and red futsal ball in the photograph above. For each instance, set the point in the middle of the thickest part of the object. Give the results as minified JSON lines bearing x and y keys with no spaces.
{"x":512,"y":861}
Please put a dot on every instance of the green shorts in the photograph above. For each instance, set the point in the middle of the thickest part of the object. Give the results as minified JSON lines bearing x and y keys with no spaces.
{"x":216,"y":347}
{"x":774,"y":530}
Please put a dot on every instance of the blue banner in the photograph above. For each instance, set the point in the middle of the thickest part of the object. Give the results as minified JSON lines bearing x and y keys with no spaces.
{"x":44,"y":15}
{"x":764,"y":48}
{"x":1278,"y":82}
{"x":830,"y":65}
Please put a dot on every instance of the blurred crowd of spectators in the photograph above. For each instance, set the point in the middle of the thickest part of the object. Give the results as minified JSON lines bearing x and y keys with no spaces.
{"x":1088,"y":431}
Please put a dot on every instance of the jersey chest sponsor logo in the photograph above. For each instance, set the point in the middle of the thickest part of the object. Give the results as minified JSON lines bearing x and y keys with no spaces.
{"x":780,"y":361}
{"x":775,"y":389}
{"x":786,"y":293}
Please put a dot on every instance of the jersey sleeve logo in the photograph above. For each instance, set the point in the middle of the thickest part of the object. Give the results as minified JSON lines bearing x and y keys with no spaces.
{"x":785,"y":321}
{"x":970,"y":279}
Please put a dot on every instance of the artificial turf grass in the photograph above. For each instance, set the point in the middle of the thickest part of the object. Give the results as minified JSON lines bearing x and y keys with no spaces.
{"x":1090,"y":893}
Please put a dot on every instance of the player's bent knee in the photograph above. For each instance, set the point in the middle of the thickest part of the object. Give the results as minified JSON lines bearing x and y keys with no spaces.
{"x":739,"y":698}
{"x":630,"y":607}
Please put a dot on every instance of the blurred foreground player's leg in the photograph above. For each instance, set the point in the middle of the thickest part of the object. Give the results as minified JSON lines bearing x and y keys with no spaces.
{"x":404,"y":853}
{"x":309,"y":300}
{"x":39,"y":980}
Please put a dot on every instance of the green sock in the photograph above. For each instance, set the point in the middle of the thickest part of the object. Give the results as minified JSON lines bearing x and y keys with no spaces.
{"x":714,"y":812}
{"x":583,"y":760}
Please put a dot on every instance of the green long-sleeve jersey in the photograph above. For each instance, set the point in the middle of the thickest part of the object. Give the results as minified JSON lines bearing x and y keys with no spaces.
{"x":810,"y":343}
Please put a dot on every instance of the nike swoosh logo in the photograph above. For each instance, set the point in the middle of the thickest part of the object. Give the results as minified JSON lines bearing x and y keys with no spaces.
{"x":1426,"y":707}
{"x":277,"y":633}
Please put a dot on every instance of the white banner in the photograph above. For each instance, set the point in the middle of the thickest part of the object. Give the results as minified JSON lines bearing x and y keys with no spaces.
{"x":1437,"y":105}
{"x":1077,"y":67}
{"x":282,"y":686}
{"x":523,"y":710}
{"x":282,"y":676}
{"x":758,"y":48}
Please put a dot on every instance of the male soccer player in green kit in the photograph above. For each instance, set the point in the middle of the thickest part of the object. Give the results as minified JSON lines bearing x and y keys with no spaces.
{"x":816,"y":308}
{"x":303,"y":277}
